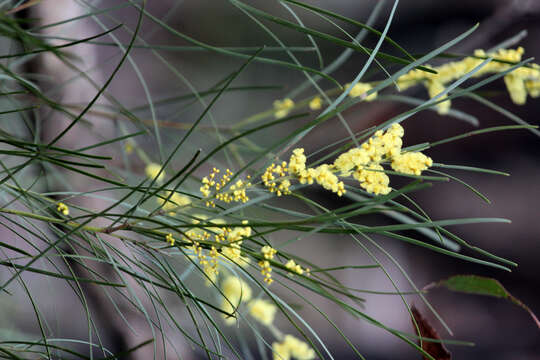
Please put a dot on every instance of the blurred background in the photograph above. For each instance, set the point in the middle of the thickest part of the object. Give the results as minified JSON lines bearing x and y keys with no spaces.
{"x":499,"y":329}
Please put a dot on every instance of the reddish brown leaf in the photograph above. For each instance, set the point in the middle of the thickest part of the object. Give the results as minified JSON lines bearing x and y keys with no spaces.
{"x":435,"y":349}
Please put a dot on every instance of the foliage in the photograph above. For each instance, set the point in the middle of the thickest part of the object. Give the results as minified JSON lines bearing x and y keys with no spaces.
{"x":201,"y":223}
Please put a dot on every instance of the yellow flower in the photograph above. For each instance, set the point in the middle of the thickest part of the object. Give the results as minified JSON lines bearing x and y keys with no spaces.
{"x":292,"y":347}
{"x":169,"y":238}
{"x":297,"y":162}
{"x":229,"y":308}
{"x":268,"y":252}
{"x":293,"y":266}
{"x":360,"y":90}
{"x":412,"y":163}
{"x":519,"y":82}
{"x":299,"y":349}
{"x":434,"y":89}
{"x":236,"y":289}
{"x":315,"y":103}
{"x":281,"y":351}
{"x":324,"y":176}
{"x":176,"y":200}
{"x":152,"y":170}
{"x":282,"y":107}
{"x":515,"y":85}
{"x":373,"y":179}
{"x":62,"y":208}
{"x":262,"y":310}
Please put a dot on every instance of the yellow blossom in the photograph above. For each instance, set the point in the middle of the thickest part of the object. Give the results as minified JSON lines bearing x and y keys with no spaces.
{"x":268,"y":252}
{"x":292,"y":347}
{"x":262,"y":310}
{"x":297,"y":162}
{"x":282,"y":107}
{"x":152,"y":170}
{"x":235,"y":192}
{"x":281,"y":351}
{"x":235,"y":289}
{"x":293,"y":266}
{"x":324,"y":176}
{"x":62,"y":208}
{"x":360,"y":90}
{"x":373,"y":179}
{"x":176,"y":200}
{"x":412,"y":163}
{"x":229,"y":306}
{"x":266,"y":271}
{"x":169,"y":238}
{"x":519,"y":83}
{"x":315,"y":103}
{"x":435,"y":88}
{"x":515,"y":84}
{"x":274,"y":179}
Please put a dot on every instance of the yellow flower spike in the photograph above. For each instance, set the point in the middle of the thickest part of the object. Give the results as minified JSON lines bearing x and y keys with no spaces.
{"x":235,"y":288}
{"x":360,"y":90}
{"x":229,"y":308}
{"x":266,"y":271}
{"x":262,"y":310}
{"x":373,"y":180}
{"x":293,"y":266}
{"x":298,"y":348}
{"x":282,"y":107}
{"x":434,"y":89}
{"x":412,"y":163}
{"x":169,"y":238}
{"x":297,"y":162}
{"x":152,"y":170}
{"x":315,"y":103}
{"x":519,"y":82}
{"x":268,"y":252}
{"x":515,"y":85}
{"x":176,"y":200}
{"x":62,"y":208}
{"x":280,"y":351}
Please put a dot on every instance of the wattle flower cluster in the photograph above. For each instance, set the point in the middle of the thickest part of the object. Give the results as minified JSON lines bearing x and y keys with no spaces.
{"x":283,"y":107}
{"x":235,"y":192}
{"x":292,"y":347}
{"x":62,"y":208}
{"x":520,"y":82}
{"x":363,"y":164}
{"x":227,"y":246}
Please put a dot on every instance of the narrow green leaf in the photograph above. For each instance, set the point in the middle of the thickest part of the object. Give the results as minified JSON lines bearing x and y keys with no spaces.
{"x":481,"y":285}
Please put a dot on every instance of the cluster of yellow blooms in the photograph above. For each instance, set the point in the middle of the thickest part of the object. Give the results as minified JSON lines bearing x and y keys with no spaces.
{"x":315,"y":103}
{"x":292,"y":347}
{"x":227,"y":240}
{"x":282,"y":107}
{"x":269,"y":178}
{"x":237,"y":291}
{"x":62,"y":208}
{"x":293,"y":266}
{"x":175,"y":202}
{"x":152,"y":170}
{"x":520,"y":82}
{"x":235,"y":192}
{"x":363,"y":163}
{"x":268,"y":254}
{"x":170,"y":239}
{"x":322,"y":175}
{"x":360,"y":90}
